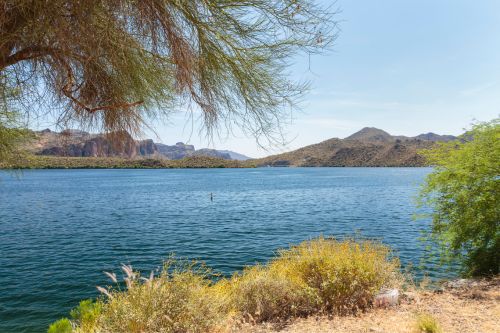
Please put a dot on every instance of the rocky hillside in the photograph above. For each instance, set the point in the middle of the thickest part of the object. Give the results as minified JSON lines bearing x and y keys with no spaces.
{"x":74,"y":143}
{"x":368,"y":147}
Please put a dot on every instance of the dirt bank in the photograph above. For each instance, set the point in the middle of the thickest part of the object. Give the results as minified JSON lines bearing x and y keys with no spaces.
{"x":467,"y":306}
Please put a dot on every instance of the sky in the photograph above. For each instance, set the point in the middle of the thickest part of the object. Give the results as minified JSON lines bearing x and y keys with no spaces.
{"x":407,"y":67}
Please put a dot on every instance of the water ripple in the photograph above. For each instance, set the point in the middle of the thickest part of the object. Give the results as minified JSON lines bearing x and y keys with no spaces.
{"x":60,"y":229}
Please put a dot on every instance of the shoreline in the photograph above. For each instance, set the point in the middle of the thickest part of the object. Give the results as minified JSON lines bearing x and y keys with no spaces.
{"x":459,"y":306}
{"x":38,"y":162}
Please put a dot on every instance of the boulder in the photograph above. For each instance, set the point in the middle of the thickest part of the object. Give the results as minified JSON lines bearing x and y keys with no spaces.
{"x":387,"y":297}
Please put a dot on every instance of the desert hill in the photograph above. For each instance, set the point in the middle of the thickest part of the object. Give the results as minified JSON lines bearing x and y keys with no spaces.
{"x":367,"y":147}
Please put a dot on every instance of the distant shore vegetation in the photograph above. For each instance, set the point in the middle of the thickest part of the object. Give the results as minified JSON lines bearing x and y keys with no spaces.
{"x":58,"y":162}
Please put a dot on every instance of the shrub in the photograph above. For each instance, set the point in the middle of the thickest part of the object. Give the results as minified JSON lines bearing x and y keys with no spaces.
{"x":464,"y":192}
{"x":319,"y":276}
{"x":259,"y":295}
{"x":426,"y":323}
{"x":86,"y":315}
{"x":179,"y":300}
{"x":61,"y":326}
{"x":338,"y":276}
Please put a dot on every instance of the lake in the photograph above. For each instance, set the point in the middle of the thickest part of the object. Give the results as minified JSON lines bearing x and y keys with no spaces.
{"x":60,"y":229}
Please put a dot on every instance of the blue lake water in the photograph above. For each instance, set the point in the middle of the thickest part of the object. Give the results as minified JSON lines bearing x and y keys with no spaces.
{"x":60,"y":229}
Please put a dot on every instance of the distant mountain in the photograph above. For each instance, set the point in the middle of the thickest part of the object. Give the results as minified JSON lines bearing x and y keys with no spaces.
{"x":212,"y":153}
{"x":181,"y":150}
{"x":175,"y":152}
{"x":371,"y":134}
{"x":436,"y":137}
{"x":75,"y":143}
{"x":235,"y":156}
{"x":367,"y":147}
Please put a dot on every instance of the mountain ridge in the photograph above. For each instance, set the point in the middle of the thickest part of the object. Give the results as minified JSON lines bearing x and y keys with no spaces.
{"x":76,"y":143}
{"x":371,"y":147}
{"x":376,"y":134}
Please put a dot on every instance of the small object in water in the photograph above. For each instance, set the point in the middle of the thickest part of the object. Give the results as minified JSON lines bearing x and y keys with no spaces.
{"x":211,"y":196}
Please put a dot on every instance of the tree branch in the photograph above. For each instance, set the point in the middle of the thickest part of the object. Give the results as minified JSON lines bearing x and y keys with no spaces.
{"x":27,"y":53}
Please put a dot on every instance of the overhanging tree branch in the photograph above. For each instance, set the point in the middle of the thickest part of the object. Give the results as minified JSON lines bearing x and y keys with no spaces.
{"x":137,"y":59}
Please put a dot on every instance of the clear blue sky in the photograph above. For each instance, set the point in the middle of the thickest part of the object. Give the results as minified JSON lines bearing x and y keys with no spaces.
{"x":405,"y":66}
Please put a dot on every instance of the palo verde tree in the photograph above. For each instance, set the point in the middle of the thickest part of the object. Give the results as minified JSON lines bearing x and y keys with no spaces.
{"x":464,"y":192}
{"x":114,"y":64}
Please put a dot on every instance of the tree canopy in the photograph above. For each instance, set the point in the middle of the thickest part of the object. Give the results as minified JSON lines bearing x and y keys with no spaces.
{"x":112,"y":64}
{"x":464,"y":192}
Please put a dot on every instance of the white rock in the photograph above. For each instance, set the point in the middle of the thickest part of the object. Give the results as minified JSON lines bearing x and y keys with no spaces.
{"x":387,"y":297}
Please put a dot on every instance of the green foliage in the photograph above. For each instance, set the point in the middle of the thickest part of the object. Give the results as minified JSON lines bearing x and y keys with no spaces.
{"x":86,"y":314}
{"x":61,"y":326}
{"x":11,"y":136}
{"x":426,"y":323}
{"x":464,"y":192}
{"x":315,"y":277}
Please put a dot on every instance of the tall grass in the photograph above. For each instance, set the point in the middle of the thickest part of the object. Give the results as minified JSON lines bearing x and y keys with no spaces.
{"x":181,"y":299}
{"x":323,"y":276}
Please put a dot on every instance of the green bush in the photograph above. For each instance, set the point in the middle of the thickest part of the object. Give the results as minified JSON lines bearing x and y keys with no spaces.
{"x":86,"y":315}
{"x":464,"y":192}
{"x":426,"y":323}
{"x":61,"y":326}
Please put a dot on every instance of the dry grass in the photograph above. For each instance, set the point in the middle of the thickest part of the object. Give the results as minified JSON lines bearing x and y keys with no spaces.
{"x":318,"y":286}
{"x":260,"y":295}
{"x":469,"y":310}
{"x":180,"y":299}
{"x":322,"y":276}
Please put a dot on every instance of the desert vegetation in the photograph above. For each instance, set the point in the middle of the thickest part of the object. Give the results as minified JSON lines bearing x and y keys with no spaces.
{"x":426,"y":323}
{"x":322,"y":276}
{"x":468,"y":306}
{"x":52,"y":162}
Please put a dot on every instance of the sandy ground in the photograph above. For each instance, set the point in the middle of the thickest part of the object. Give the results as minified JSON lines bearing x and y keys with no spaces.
{"x":471,"y":308}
